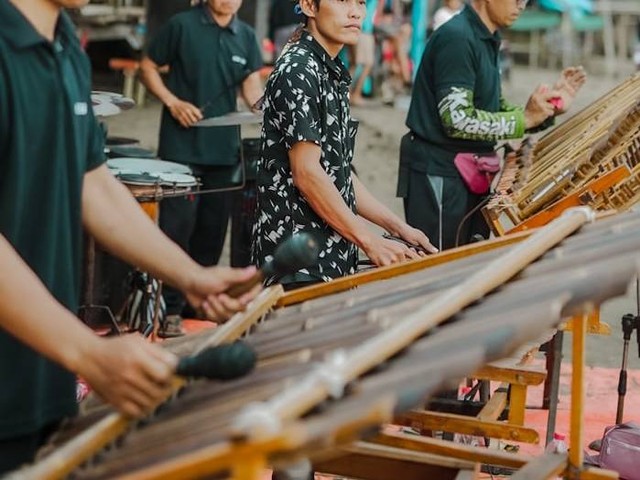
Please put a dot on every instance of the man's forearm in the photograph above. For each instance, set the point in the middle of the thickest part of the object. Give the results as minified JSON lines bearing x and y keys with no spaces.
{"x":326,"y":201}
{"x":153,"y":81}
{"x":460,"y":119}
{"x":373,"y":210}
{"x":30,"y":313}
{"x":118,"y":223}
{"x":252,"y":89}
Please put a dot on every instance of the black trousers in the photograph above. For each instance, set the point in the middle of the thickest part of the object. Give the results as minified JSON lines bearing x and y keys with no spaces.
{"x":198,"y":224}
{"x":441,"y":207}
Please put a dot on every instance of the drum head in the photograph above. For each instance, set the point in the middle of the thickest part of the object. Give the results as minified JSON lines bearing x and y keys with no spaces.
{"x":177,"y":180}
{"x":138,"y":179}
{"x":151,"y":167}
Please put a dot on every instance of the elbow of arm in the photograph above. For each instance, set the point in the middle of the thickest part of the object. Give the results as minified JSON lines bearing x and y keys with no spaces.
{"x":302,"y":179}
{"x":451,"y":131}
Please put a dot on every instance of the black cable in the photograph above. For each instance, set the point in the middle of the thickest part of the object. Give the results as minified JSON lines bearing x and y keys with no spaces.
{"x":468,"y":215}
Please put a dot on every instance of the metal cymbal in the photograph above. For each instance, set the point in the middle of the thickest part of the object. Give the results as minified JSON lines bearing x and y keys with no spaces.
{"x":231,"y":119}
{"x":106,"y":104}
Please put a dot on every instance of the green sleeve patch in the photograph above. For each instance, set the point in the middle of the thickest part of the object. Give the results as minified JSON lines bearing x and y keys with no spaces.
{"x":506,"y":106}
{"x":462,"y":120}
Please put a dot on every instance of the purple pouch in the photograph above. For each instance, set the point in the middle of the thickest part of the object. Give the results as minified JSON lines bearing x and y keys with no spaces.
{"x":620,"y":450}
{"x":477,"y":170}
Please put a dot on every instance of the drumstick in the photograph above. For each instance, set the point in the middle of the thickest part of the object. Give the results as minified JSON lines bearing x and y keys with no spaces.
{"x":299,"y":251}
{"x":221,"y":362}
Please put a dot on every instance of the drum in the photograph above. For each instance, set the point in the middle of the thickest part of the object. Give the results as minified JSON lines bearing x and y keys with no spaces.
{"x":130,"y":151}
{"x":151,"y":180}
{"x":244,"y":206}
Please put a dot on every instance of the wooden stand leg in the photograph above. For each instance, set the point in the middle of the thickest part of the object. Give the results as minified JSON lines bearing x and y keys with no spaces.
{"x":552,"y":383}
{"x":251,"y":468}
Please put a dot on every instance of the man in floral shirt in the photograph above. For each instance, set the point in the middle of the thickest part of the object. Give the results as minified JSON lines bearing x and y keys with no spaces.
{"x":305,"y":182}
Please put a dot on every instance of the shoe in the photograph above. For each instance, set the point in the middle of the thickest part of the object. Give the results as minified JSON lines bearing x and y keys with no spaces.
{"x":171,"y":327}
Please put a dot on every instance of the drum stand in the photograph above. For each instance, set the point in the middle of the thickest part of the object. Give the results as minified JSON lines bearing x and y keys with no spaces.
{"x":84,"y":311}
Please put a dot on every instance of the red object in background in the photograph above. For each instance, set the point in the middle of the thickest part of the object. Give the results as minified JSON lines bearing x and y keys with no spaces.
{"x":557,"y":103}
{"x":268,"y":46}
{"x":82,"y":390}
{"x":84,"y":39}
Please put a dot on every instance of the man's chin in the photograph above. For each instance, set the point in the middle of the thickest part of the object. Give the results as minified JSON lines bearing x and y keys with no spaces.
{"x":351,"y":39}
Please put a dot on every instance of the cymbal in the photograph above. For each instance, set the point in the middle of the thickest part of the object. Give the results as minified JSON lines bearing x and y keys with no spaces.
{"x":231,"y":119}
{"x":106,"y":104}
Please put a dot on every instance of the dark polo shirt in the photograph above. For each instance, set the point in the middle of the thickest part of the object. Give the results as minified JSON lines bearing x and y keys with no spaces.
{"x":207,"y":63}
{"x":49,"y":138}
{"x":462,"y":54}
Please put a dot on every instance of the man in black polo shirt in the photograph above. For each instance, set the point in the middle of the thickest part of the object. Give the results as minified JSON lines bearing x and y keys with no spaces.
{"x":305,"y":182}
{"x":210,"y":53}
{"x":456,"y":107}
{"x":53,"y":181}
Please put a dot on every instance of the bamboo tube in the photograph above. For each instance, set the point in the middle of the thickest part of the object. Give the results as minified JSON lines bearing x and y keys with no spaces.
{"x":296,"y":401}
{"x":63,"y":461}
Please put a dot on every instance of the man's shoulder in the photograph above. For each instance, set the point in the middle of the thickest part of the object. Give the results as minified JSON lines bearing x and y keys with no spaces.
{"x":186,"y":18}
{"x":244,"y":28}
{"x":453,"y":37}
{"x":456,"y":29}
{"x":298,"y":59}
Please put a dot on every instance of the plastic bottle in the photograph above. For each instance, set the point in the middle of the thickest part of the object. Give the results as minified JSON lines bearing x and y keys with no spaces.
{"x":557,"y":445}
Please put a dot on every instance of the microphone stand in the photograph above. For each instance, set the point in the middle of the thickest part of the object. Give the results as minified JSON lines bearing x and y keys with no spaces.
{"x":630,"y":322}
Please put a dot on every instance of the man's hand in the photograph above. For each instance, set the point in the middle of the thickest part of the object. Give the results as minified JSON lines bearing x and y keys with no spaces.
{"x":416,"y":237}
{"x":571,"y":80}
{"x":383,"y":252}
{"x":128,"y":372}
{"x":539,"y":107}
{"x":185,"y":113}
{"x":207,"y":287}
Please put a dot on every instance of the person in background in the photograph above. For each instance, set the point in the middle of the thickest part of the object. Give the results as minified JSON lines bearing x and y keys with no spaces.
{"x":283,"y":21}
{"x":365,"y":51}
{"x":54,"y":182}
{"x":457,"y":107}
{"x":211,"y":54}
{"x":448,"y":9}
{"x":394,"y":27}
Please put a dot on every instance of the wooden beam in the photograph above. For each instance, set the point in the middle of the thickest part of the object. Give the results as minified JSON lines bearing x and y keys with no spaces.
{"x":453,"y":450}
{"x":545,"y":467}
{"x":449,"y":422}
{"x":379,"y":462}
{"x":370,"y":467}
{"x":594,"y":325}
{"x":496,"y":405}
{"x":506,"y":371}
{"x":382,"y":273}
{"x":593,"y":473}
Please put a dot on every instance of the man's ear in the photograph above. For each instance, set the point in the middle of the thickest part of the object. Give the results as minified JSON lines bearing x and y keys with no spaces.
{"x":309,"y":8}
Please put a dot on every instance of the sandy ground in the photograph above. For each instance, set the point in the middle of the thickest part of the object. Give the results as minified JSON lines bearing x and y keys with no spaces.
{"x":381,"y":128}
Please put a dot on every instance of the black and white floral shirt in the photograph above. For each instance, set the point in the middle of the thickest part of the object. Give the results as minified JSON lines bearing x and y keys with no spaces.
{"x":306,"y":100}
